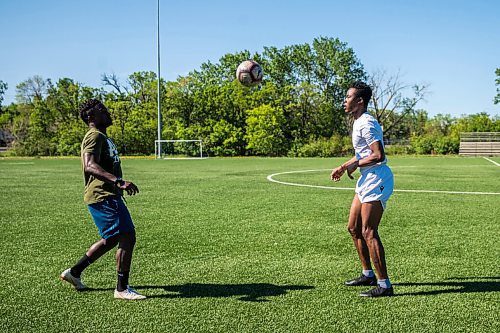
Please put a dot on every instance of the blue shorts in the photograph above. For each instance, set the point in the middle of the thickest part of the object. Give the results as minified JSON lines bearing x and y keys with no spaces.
{"x":111,"y":217}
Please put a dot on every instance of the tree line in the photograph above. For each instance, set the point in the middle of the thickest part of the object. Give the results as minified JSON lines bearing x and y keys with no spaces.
{"x":296,"y":111}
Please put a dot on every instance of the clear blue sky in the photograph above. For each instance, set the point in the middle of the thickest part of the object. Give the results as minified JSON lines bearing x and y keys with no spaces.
{"x":452,"y":45}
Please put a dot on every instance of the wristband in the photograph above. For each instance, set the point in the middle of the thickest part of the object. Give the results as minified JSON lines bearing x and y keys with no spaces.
{"x":119,"y":181}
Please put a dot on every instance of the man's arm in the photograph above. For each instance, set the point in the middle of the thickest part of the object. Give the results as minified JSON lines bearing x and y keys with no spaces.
{"x":377,"y":155}
{"x":339,"y":171}
{"x":91,"y":166}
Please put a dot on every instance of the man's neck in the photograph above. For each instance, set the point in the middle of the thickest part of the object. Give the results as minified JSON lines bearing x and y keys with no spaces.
{"x":358,"y":113}
{"x":100,"y":128}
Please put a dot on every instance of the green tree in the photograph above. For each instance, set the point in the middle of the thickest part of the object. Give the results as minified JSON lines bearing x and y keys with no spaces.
{"x":305,"y":82}
{"x":45,"y":120}
{"x":133,"y":106}
{"x":64,"y":100}
{"x":318,"y":74}
{"x":3,"y":89}
{"x":34,"y":128}
{"x":4,"y":117}
{"x":441,"y":134}
{"x":302,"y":93}
{"x":224,"y":139}
{"x":66,"y":96}
{"x":141,"y":130}
{"x":390,"y":103}
{"x":33,"y":88}
{"x":480,"y":122}
{"x":265,"y":131}
{"x":40,"y":130}
{"x":410,"y":124}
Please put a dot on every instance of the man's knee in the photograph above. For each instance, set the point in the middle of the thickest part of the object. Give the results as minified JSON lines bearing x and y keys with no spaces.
{"x":133,"y":238}
{"x":128,"y":239}
{"x":111,"y":241}
{"x":369,"y":233}
{"x":354,"y":231}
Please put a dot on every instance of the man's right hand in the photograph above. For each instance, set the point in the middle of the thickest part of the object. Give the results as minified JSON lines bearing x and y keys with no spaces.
{"x":337,"y":173}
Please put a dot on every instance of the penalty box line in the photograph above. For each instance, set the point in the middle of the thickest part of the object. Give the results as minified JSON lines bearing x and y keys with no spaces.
{"x":271,"y":179}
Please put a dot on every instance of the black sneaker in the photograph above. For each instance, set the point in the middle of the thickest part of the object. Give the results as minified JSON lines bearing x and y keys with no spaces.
{"x":362,"y":281}
{"x":378,"y":292}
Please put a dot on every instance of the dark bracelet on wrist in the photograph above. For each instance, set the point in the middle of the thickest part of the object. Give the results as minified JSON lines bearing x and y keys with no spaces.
{"x":119,"y":181}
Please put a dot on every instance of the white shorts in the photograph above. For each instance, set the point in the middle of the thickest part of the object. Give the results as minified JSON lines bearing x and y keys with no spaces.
{"x":376,"y":184}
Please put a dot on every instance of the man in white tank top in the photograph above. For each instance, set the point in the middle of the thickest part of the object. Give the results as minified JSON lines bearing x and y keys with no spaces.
{"x":373,"y":189}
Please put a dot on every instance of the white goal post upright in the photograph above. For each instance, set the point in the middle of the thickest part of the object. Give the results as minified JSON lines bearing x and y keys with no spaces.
{"x":184,"y":152}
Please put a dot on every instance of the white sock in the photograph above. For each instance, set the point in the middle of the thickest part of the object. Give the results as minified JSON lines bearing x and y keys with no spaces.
{"x":368,"y":273}
{"x":385,"y":283}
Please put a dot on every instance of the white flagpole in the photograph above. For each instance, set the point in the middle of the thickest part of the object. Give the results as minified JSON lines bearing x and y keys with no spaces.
{"x":158,"y":146}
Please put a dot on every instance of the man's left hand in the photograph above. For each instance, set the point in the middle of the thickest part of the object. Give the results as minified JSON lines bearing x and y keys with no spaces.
{"x":130,"y":187}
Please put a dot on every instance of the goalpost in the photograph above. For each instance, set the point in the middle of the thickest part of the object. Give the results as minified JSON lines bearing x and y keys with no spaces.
{"x":179,"y":149}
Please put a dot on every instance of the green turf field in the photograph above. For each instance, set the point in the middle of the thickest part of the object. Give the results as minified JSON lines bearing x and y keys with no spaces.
{"x":222,"y":249}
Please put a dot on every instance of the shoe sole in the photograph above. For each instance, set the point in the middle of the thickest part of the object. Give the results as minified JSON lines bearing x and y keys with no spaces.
{"x":364,"y":295}
{"x":130,"y":299}
{"x":364,"y":284}
{"x":360,"y":285}
{"x":71,"y":283}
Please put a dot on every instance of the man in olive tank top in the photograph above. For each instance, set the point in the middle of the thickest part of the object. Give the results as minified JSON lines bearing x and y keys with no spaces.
{"x":104,"y":189}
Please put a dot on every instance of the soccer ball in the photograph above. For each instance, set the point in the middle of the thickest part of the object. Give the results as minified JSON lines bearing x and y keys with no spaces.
{"x":249,"y":73}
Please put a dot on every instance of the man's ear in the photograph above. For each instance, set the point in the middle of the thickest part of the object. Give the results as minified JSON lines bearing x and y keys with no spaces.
{"x":360,"y":99}
{"x":91,"y":117}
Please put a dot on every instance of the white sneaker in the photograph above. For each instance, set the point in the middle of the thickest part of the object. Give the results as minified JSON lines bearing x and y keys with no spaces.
{"x":129,"y":294}
{"x":74,"y":281}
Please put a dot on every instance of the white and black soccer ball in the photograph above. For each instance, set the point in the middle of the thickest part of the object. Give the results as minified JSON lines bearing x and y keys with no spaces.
{"x":249,"y":73}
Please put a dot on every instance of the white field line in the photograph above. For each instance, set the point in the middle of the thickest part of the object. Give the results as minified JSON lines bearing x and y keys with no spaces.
{"x":271,"y":179}
{"x":486,"y":158}
{"x":184,"y":158}
{"x":19,"y":163}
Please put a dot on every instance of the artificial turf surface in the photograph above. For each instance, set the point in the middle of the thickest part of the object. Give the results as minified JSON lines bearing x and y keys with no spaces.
{"x":222,"y":249}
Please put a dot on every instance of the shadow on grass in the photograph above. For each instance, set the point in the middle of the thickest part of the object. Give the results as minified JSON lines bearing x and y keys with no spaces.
{"x":455,"y":285}
{"x":251,"y":292}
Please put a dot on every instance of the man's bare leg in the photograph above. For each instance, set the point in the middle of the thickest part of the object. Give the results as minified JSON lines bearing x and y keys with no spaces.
{"x":354,"y":226}
{"x":371,"y":214}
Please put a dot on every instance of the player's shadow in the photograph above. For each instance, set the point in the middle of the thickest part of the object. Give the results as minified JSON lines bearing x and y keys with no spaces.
{"x":454,"y":285}
{"x":251,"y":292}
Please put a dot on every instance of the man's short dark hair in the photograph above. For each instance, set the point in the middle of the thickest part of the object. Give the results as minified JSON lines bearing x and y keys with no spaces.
{"x":363,"y":90}
{"x":88,"y":107}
